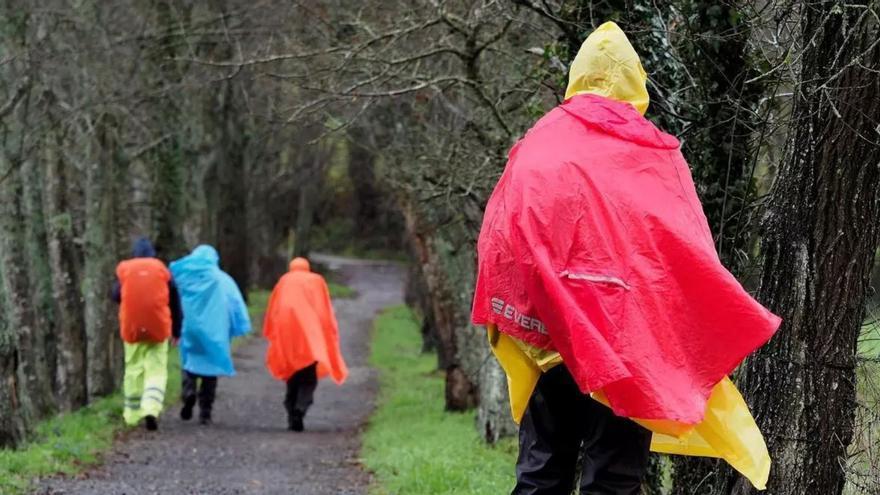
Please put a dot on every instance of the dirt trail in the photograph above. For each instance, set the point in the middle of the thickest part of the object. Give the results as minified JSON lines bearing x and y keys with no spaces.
{"x":248,"y":450}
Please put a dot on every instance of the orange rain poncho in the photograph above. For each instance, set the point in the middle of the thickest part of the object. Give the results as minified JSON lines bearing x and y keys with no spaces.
{"x":301,"y":327}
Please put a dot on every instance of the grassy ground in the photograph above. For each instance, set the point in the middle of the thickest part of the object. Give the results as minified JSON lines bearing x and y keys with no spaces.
{"x":62,"y":445}
{"x":341,"y":291}
{"x":412,"y":445}
{"x":863,"y":464}
{"x":68,"y":443}
{"x":257,"y":302}
{"x":259,"y":299}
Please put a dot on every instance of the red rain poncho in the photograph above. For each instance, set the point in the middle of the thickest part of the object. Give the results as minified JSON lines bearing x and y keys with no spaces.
{"x":594,"y":244}
{"x":301,"y":327}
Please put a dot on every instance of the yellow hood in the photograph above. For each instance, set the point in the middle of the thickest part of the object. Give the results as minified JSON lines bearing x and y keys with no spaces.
{"x":608,"y":65}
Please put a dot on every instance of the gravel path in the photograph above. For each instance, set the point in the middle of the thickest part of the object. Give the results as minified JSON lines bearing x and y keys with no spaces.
{"x":248,"y":449}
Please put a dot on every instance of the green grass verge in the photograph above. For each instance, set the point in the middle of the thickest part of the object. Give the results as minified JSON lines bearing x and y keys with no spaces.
{"x":341,"y":291}
{"x":412,"y":445}
{"x":70,"y":443}
{"x":258,"y":299}
{"x":862,"y":463}
{"x":63,"y":444}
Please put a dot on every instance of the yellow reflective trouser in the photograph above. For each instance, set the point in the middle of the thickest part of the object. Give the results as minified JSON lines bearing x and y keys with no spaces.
{"x":146,"y":373}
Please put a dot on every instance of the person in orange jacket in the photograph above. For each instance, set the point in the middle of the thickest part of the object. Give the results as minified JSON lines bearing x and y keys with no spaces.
{"x":149,"y":315}
{"x":303,"y":338}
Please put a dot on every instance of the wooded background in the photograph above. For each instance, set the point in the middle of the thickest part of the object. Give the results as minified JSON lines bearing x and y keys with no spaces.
{"x":271,"y":128}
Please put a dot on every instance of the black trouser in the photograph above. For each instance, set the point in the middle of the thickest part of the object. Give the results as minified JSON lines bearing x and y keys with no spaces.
{"x":301,"y":391}
{"x":206,"y":392}
{"x":560,"y":421}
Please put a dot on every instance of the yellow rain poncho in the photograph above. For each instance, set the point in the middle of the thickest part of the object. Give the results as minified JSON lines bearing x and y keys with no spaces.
{"x":608,"y":66}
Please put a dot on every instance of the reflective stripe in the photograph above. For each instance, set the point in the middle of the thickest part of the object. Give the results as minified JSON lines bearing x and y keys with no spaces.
{"x":132,"y":406}
{"x":157,"y":399}
{"x":592,"y":277}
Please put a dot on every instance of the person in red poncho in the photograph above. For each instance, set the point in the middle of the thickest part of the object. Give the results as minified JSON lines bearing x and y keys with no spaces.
{"x":596,"y":263}
{"x":303,"y":338}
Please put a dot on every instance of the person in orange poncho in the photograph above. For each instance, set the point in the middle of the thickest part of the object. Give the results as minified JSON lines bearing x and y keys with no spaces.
{"x":303,"y":338}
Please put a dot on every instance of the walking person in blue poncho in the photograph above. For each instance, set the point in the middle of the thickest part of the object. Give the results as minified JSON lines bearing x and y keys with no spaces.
{"x":216,"y":313}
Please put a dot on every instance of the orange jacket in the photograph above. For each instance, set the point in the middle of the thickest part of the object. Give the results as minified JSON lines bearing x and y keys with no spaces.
{"x":301,"y":327}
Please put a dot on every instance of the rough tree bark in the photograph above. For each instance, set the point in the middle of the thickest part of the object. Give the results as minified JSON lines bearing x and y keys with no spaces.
{"x":12,"y":420}
{"x":168,"y":170}
{"x":35,"y":390}
{"x":17,"y":376}
{"x":226,"y":184}
{"x":418,"y":296}
{"x":120,"y":248}
{"x":71,"y":348}
{"x":100,"y":257}
{"x":313,"y":158}
{"x":820,"y":236}
{"x":35,"y":386}
{"x":448,"y":274}
{"x":37,"y":249}
{"x":305,"y":212}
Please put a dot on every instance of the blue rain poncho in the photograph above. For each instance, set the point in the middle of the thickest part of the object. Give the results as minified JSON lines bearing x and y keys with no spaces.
{"x":214,"y":312}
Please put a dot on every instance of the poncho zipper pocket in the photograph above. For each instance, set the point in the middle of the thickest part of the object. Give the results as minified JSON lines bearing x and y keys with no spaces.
{"x":594,"y":277}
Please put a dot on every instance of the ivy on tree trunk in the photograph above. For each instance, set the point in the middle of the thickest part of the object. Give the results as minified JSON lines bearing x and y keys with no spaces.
{"x":819,"y":241}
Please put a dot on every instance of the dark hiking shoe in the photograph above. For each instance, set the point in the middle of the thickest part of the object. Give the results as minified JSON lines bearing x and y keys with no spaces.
{"x":186,"y":413}
{"x":295,"y":423}
{"x":151,"y":423}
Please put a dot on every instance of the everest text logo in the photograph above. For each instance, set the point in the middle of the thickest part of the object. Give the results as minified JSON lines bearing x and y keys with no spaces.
{"x":511,"y":313}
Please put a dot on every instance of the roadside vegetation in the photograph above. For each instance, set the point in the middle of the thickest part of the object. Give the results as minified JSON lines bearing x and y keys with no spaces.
{"x":412,"y":445}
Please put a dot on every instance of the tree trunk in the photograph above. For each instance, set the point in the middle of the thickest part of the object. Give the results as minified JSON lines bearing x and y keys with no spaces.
{"x":100,"y":254}
{"x":168,"y":168}
{"x":167,"y":196}
{"x":71,"y":348}
{"x":417,"y":295}
{"x":226,"y":184}
{"x":820,"y":236}
{"x":447,"y":310}
{"x":35,"y":387}
{"x":305,"y":213}
{"x":121,"y":218}
{"x":12,"y":421}
{"x":313,"y":161}
{"x":37,"y":249}
{"x":494,"y":420}
{"x":17,"y":376}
